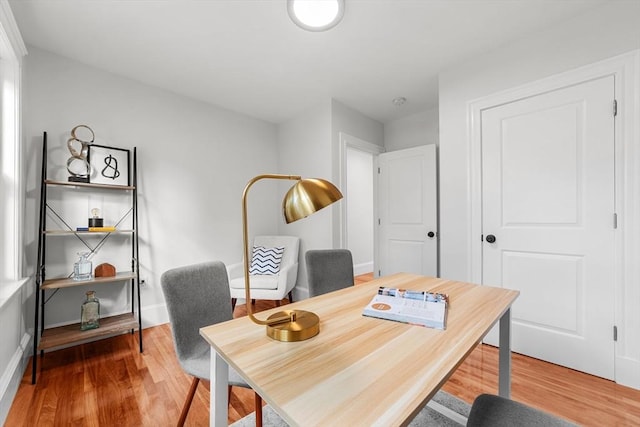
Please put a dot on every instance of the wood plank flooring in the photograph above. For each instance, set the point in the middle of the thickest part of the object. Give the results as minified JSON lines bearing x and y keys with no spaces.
{"x":109,"y":383}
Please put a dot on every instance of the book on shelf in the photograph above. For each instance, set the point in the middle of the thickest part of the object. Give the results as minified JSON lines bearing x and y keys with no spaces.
{"x":415,"y":307}
{"x":102,"y":229}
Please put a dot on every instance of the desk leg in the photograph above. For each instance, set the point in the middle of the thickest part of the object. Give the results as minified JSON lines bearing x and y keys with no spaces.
{"x":219,"y":394}
{"x":504,"y":356}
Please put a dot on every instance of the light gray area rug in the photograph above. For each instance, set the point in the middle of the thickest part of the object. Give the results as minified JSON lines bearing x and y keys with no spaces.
{"x":455,"y":414}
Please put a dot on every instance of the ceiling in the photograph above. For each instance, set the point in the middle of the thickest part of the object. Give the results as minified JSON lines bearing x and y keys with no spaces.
{"x":247,"y":56}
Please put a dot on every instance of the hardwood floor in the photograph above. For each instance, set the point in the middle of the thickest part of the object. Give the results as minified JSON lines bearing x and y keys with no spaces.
{"x":109,"y":383}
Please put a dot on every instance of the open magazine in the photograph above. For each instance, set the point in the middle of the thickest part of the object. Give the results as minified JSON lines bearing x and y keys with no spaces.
{"x":415,"y":307}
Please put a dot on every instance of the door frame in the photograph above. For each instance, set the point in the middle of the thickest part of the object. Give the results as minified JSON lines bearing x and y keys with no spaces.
{"x":349,"y":141}
{"x":626,"y":70}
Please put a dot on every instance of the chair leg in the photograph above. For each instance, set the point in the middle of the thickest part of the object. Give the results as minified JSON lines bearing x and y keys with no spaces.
{"x":258,"y":403}
{"x":233,"y":304}
{"x":290,"y":297}
{"x":258,"y":400}
{"x":187,"y":403}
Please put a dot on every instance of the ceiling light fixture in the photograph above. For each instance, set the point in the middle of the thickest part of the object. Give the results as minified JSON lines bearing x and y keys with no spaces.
{"x":316,"y":15}
{"x":399,"y":101}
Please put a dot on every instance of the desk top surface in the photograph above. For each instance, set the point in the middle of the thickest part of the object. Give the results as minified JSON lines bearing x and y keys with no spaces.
{"x":360,"y":370}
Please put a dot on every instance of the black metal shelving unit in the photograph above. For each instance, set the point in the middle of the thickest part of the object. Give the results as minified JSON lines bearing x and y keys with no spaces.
{"x":46,"y":288}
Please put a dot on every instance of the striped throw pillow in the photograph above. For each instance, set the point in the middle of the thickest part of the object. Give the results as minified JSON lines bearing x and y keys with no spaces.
{"x":265,"y":261}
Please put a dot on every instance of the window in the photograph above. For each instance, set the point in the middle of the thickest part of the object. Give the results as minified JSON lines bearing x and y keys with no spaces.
{"x":11,"y":186}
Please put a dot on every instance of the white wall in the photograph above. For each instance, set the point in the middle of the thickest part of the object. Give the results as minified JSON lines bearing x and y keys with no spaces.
{"x":304,"y":147}
{"x":194,"y":161}
{"x":352,"y":122}
{"x":346,"y":120}
{"x":601,"y":33}
{"x":309,"y":145}
{"x":412,"y":131}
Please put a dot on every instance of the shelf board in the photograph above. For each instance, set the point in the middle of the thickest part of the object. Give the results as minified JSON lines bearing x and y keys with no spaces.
{"x":89,"y":185}
{"x":70,"y":334}
{"x":84,"y":233}
{"x":68,"y":282}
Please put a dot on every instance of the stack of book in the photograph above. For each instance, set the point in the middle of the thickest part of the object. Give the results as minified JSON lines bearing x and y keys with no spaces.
{"x":102,"y":229}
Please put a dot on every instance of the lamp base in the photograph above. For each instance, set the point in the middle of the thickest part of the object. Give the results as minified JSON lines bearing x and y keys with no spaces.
{"x":304,"y":325}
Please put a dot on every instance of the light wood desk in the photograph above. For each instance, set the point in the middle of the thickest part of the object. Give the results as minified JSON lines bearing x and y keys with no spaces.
{"x":359,"y":370}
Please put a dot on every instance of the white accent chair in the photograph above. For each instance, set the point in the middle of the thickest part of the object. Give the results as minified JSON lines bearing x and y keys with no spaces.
{"x":268,"y":287}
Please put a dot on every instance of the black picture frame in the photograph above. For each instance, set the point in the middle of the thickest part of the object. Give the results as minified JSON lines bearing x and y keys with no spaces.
{"x":109,"y":165}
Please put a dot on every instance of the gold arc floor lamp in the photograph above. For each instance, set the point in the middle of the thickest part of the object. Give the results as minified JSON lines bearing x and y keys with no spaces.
{"x":304,"y":198}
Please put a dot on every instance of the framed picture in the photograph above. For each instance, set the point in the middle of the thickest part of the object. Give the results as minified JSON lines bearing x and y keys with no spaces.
{"x":109,"y":165}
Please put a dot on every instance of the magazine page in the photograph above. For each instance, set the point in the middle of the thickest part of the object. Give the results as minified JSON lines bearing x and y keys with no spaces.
{"x":415,"y":307}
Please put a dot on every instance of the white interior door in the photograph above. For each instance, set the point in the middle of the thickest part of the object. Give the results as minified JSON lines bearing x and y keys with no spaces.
{"x":407,"y":209}
{"x":548,"y":201}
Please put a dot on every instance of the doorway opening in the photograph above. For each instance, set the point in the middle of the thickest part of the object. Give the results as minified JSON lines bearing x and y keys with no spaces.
{"x":358,"y":162}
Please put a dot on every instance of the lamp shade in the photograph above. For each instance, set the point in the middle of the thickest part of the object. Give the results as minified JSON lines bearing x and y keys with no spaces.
{"x":308,"y":196}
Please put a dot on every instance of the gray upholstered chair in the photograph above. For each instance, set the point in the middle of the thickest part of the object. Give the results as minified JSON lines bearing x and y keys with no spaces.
{"x":328,"y":270}
{"x":196,"y":296}
{"x":489,"y":410}
{"x":268,"y":287}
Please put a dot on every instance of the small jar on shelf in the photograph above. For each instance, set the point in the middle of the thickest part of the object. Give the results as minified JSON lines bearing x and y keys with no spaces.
{"x":82,"y":268}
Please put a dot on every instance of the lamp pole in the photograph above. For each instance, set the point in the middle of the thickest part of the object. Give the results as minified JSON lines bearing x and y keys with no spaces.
{"x":304,"y":198}
{"x":245,"y":240}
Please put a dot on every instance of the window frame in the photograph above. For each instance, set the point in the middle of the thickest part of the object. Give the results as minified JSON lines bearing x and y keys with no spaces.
{"x":12,"y":190}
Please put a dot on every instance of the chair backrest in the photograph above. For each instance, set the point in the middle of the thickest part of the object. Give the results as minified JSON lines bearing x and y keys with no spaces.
{"x":328,"y":270}
{"x":196,"y":296}
{"x":290,"y":244}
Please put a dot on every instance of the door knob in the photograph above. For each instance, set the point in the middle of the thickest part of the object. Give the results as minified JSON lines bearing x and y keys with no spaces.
{"x":491,"y":238}
{"x":431,"y":234}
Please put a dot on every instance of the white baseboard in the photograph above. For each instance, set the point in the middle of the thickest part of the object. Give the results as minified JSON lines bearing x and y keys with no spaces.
{"x":628,"y":372}
{"x":154,"y":315}
{"x":363,"y":268}
{"x":12,"y":375}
